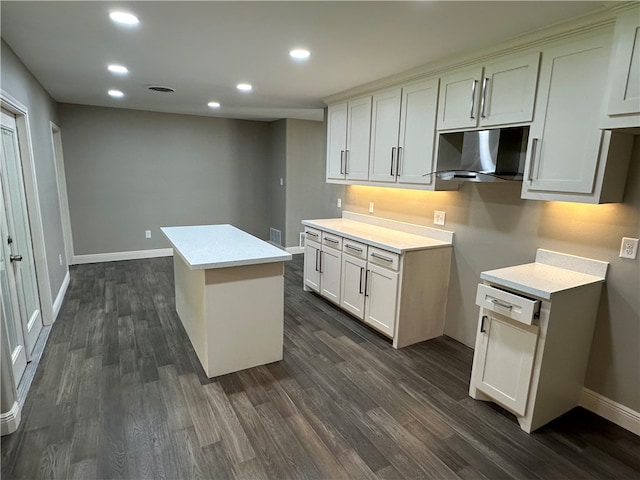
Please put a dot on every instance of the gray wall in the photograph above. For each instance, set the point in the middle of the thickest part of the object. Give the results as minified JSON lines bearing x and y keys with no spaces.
{"x":494,"y":228}
{"x":20,"y":84}
{"x":308,"y":194}
{"x":130,"y":171}
{"x":278,"y":162}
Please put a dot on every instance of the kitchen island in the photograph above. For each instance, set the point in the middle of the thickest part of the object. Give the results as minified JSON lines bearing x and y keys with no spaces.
{"x":229,"y":289}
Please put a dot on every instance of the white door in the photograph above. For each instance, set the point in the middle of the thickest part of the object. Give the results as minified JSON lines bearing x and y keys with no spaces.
{"x":330,"y":268}
{"x":417,"y":132}
{"x":336,"y":140}
{"x":16,"y":237}
{"x":358,"y":135}
{"x":505,"y":351}
{"x":564,"y":139}
{"x":312,"y":265}
{"x":459,"y":99}
{"x":352,"y":288}
{"x":385,"y":120}
{"x":382,"y":298}
{"x":10,"y":308}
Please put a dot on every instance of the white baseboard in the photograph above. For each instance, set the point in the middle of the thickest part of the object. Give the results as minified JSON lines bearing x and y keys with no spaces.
{"x":612,"y":411}
{"x":117,"y":256}
{"x":294,"y":250}
{"x":9,"y":421}
{"x":57,"y":304}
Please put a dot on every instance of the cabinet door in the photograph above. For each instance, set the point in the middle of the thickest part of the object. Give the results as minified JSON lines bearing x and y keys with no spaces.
{"x":459,"y":99}
{"x":336,"y":140}
{"x":352,"y":287}
{"x":312,"y":265}
{"x":503,"y":360}
{"x":509,"y":90}
{"x":330,"y":268}
{"x":564,"y":139}
{"x":381,"y":299}
{"x":385,"y":120}
{"x":625,"y":66}
{"x":417,"y":132}
{"x":358,"y":135}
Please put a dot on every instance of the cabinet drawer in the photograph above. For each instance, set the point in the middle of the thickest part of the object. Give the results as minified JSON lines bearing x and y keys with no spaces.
{"x":513,"y":306}
{"x":331,"y":240}
{"x":312,"y":234}
{"x":383,"y":258}
{"x":355,"y":249}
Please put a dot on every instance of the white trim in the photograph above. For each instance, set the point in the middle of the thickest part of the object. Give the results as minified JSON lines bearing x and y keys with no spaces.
{"x":63,"y":199}
{"x":9,"y":421}
{"x":57,"y":304}
{"x":33,"y":202}
{"x":612,"y":411}
{"x":294,"y":250}
{"x":117,"y":256}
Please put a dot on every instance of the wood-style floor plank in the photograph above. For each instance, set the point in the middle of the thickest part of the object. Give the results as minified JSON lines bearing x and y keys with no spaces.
{"x":120,"y":393}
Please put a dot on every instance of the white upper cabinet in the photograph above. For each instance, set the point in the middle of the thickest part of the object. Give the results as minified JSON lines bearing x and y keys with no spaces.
{"x":624,"y":80}
{"x":403,"y":134}
{"x":567,"y":151}
{"x":348,"y":133}
{"x":501,"y":93}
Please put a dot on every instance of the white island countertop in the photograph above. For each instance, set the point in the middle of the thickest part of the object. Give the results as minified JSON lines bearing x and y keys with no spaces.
{"x":221,"y":246}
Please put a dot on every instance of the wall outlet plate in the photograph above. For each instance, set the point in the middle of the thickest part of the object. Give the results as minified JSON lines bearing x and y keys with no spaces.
{"x":339,"y":203}
{"x":370,"y":207}
{"x":438,"y":217}
{"x":147,"y":234}
{"x":629,"y":248}
{"x":301,"y":241}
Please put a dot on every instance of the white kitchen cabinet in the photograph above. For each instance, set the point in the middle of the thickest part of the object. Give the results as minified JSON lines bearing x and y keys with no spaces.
{"x":567,"y":151}
{"x":500,"y":93}
{"x":402,"y":295}
{"x":312,"y":265}
{"x":348,"y":135}
{"x":403,"y":134}
{"x":624,"y":76}
{"x":503,"y":360}
{"x":323,"y":264}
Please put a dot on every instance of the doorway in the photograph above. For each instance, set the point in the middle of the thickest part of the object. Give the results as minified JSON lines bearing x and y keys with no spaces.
{"x":20,"y":296}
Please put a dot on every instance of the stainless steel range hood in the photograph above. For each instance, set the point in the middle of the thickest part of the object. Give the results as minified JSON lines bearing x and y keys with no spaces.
{"x":483,"y":155}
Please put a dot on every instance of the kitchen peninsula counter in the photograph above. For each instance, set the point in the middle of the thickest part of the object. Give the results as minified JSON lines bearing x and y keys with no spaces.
{"x":229,"y":295}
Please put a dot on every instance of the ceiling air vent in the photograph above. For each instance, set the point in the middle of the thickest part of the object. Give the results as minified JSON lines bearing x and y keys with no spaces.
{"x":160,"y":88}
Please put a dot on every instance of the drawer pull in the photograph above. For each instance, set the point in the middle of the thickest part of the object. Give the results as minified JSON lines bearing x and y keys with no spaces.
{"x":498,"y":303}
{"x":332,"y":240}
{"x":382,"y":257}
{"x":355,"y":249}
{"x":311,"y":234}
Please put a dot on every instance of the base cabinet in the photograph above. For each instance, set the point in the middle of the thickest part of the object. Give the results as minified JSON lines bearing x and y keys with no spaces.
{"x":381,"y":299}
{"x":323,"y":264}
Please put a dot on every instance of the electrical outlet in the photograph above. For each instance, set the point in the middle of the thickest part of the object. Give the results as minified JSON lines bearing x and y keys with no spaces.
{"x":147,"y":234}
{"x":438,"y":217}
{"x":282,"y":182}
{"x":370,"y":207}
{"x":339,"y":203}
{"x":60,"y":258}
{"x":629,"y":248}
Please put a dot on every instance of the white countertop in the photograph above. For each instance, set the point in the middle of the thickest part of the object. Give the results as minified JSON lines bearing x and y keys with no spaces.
{"x":382,"y":237}
{"x":220,"y":246}
{"x":542,"y":279}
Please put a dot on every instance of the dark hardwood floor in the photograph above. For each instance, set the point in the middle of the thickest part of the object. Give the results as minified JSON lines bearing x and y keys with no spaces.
{"x":119,"y":393}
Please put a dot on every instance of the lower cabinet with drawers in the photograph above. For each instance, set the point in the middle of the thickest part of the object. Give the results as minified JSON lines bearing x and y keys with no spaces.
{"x":401,"y":295}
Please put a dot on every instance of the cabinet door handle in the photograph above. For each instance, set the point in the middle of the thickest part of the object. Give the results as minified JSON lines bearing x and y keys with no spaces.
{"x":360,"y":287}
{"x":346,"y":162}
{"x":317,"y":252}
{"x":366,"y":283}
{"x":355,"y":249}
{"x":532,"y":160}
{"x":498,"y":303}
{"x":482,"y":330}
{"x":474,"y":85}
{"x":382,"y":257}
{"x":393,"y":154}
{"x":398,"y":161}
{"x":341,"y":162}
{"x":321,"y":261}
{"x":485,"y":82}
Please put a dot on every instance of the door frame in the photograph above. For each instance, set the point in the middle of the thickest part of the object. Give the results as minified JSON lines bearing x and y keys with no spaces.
{"x":63,"y":199}
{"x":33,"y":202}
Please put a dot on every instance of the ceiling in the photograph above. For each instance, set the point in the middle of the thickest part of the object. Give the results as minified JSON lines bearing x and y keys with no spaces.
{"x":203,"y":49}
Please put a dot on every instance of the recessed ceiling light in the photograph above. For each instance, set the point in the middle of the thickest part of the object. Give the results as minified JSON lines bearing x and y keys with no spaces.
{"x":300,"y":53}
{"x":119,"y":69}
{"x":214,"y":104}
{"x":124,"y":18}
{"x":245,"y":87}
{"x":115,"y":93}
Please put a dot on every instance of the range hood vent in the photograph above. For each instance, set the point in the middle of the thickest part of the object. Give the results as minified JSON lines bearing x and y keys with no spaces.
{"x":483,"y":155}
